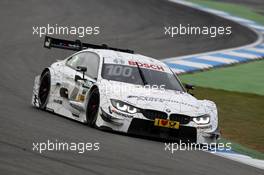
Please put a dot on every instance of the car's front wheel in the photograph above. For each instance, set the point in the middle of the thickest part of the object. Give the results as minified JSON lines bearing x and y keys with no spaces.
{"x":93,"y":107}
{"x":44,"y":89}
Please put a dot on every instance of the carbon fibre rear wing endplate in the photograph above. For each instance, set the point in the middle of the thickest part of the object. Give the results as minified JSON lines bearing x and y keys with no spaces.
{"x":77,"y":45}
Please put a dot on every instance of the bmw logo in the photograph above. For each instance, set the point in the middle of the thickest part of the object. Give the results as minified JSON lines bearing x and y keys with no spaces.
{"x":168,"y":110}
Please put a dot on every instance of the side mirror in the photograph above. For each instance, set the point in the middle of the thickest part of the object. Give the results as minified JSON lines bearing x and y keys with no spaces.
{"x":189,"y":87}
{"x":81,"y":69}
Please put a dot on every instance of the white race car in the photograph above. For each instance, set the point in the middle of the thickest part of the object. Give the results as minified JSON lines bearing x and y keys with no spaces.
{"x":115,"y":89}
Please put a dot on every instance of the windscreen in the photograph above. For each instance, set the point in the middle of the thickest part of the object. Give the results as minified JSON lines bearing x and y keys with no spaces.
{"x":129,"y":74}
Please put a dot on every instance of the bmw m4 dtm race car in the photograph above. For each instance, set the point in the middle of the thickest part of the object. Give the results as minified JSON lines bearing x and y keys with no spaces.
{"x":115,"y":89}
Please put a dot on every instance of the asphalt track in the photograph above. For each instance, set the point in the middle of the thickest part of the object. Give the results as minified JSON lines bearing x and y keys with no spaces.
{"x":129,"y":24}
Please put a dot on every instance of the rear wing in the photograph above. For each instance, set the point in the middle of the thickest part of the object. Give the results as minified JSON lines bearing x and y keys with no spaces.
{"x":77,"y":45}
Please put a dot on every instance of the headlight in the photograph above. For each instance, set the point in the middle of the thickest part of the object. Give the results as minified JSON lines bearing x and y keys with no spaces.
{"x":124,"y":107}
{"x":204,"y":119}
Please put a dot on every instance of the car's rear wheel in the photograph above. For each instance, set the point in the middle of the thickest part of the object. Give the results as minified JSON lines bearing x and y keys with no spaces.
{"x":44,"y":89}
{"x":93,"y":107}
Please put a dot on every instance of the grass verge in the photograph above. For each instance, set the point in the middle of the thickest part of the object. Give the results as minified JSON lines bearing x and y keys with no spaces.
{"x":242,"y":78}
{"x":240,"y":116}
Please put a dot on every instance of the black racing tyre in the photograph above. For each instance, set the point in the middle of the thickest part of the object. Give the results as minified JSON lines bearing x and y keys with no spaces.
{"x":93,"y":107}
{"x":44,"y":90}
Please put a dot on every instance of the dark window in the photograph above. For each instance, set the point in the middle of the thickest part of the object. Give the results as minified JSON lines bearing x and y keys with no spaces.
{"x":86,"y":59}
{"x":129,"y":74}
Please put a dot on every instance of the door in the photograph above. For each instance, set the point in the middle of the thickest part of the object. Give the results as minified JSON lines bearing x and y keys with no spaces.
{"x":78,"y":89}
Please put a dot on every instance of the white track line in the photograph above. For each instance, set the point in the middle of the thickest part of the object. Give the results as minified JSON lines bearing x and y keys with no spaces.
{"x":257,"y":26}
{"x":242,"y":159}
{"x":192,"y":64}
{"x":243,"y":55}
{"x":217,"y":59}
{"x":218,"y":12}
{"x":256,"y":50}
{"x":262,"y":45}
{"x":238,"y":19}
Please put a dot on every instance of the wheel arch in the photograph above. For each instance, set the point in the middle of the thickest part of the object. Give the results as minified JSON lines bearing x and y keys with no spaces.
{"x":90,"y":91}
{"x":44,"y":71}
{"x":53,"y":76}
{"x":89,"y":98}
{"x":92,"y":88}
{"x":52,"y":72}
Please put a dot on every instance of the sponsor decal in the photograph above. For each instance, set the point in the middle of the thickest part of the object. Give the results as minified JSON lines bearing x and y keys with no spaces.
{"x":85,"y":84}
{"x":49,"y":109}
{"x":57,"y":101}
{"x":84,"y":91}
{"x":161,"y":100}
{"x":146,"y":65}
{"x":75,"y":115}
{"x":80,"y":98}
{"x":118,"y":61}
{"x":166,"y":123}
